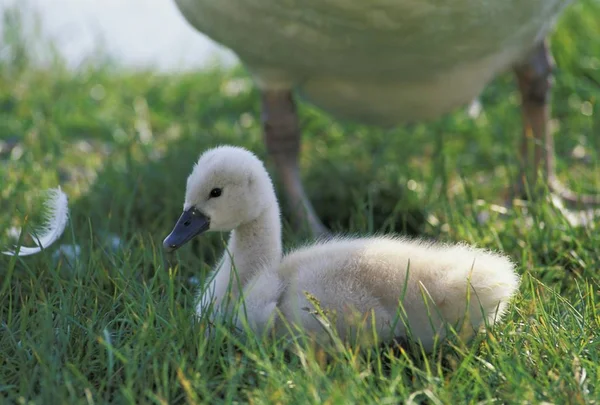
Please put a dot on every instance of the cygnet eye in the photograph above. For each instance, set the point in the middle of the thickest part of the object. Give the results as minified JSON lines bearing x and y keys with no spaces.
{"x":215,"y":192}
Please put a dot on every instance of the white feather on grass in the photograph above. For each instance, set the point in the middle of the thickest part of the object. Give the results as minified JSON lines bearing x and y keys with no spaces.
{"x":57,"y":215}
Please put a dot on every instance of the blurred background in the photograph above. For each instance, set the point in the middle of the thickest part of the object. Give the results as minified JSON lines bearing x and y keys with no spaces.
{"x":134,"y":33}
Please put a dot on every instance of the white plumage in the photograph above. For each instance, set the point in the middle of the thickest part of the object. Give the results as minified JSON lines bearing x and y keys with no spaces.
{"x":230,"y":190}
{"x":377,"y":61}
{"x":57,"y":215}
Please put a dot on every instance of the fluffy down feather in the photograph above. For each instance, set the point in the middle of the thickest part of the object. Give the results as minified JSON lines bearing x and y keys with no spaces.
{"x":57,"y":215}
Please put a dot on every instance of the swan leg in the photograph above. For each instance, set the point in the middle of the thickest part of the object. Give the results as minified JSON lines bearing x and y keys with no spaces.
{"x":534,"y":77}
{"x":282,"y":138}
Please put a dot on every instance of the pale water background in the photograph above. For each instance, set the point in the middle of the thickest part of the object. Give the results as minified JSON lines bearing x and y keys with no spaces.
{"x":133,"y":33}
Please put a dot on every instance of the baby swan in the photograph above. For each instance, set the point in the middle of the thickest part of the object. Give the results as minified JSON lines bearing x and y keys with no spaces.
{"x":353,"y":279}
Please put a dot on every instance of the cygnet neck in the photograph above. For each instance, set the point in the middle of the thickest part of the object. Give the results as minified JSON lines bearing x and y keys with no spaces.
{"x":256,"y":245}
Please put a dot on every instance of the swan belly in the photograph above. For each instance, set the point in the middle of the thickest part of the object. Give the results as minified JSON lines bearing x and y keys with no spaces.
{"x":381,"y":61}
{"x":394,"y":100}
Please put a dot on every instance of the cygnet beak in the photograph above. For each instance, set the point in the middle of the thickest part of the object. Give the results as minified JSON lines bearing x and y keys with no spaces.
{"x":191,"y":223}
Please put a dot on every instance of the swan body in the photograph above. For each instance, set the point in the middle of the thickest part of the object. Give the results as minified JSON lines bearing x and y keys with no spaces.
{"x":352,"y":278}
{"x":381,"y":61}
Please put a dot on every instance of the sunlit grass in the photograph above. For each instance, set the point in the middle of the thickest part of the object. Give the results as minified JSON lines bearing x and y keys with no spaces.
{"x":115,"y":324}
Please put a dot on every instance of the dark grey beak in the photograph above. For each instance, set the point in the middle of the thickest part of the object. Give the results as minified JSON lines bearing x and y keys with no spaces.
{"x":191,"y":223}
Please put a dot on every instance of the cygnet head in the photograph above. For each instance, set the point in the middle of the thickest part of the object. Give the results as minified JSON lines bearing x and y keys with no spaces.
{"x":228,"y":187}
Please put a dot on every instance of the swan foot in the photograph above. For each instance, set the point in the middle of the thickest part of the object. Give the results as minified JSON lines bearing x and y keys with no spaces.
{"x":282,"y":138}
{"x":556,"y":190}
{"x":534,"y":77}
{"x":570,"y":197}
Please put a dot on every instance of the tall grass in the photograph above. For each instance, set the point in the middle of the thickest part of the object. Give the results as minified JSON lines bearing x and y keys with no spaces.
{"x":114,"y":323}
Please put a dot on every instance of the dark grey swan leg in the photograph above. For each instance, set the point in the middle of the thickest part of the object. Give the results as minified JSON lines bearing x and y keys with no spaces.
{"x":534,"y":77}
{"x":282,"y":138}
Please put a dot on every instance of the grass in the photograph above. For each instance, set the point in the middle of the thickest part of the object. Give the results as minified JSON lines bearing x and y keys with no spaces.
{"x":115,"y":323}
